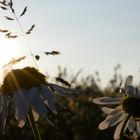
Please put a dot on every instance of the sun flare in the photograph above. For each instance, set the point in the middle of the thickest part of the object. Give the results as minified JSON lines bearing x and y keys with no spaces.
{"x":8,"y":50}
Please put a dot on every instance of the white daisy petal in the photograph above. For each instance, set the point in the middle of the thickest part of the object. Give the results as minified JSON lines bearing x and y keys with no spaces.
{"x":131,"y":91}
{"x":134,"y":135}
{"x":49,"y":99}
{"x":103,"y":125}
{"x":115,"y":111}
{"x":21,"y":123}
{"x":35,"y":114}
{"x":118,"y":130}
{"x":128,"y":80}
{"x":107,"y":110}
{"x":37,"y":102}
{"x":112,"y":121}
{"x":21,"y":104}
{"x":120,"y":114}
{"x":137,"y":93}
{"x":137,"y":131}
{"x":62,"y":91}
{"x":131,"y":125}
{"x":50,"y":122}
{"x":4,"y":110}
{"x":3,"y":125}
{"x":107,"y":101}
{"x":0,"y":103}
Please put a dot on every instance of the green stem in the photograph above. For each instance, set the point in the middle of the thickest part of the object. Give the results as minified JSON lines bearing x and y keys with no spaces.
{"x":34,"y":126}
{"x":123,"y":127}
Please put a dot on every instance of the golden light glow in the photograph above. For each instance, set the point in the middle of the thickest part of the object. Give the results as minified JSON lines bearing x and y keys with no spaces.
{"x":8,"y":50}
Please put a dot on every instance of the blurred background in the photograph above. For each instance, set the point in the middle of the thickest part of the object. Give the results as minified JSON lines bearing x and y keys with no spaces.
{"x":99,"y":45}
{"x":92,"y":35}
{"x":78,"y":118}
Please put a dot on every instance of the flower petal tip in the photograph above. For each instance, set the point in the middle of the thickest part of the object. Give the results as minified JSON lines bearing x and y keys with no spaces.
{"x":103,"y":125}
{"x":128,"y":80}
{"x":21,"y":123}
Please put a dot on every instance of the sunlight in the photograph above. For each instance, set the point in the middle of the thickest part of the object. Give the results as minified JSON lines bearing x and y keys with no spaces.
{"x":8,"y":50}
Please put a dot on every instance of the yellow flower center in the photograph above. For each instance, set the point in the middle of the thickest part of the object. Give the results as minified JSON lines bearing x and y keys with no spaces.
{"x":132,"y":106}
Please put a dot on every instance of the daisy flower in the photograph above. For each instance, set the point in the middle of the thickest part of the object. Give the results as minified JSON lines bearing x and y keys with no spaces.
{"x":28,"y":89}
{"x":127,"y":113}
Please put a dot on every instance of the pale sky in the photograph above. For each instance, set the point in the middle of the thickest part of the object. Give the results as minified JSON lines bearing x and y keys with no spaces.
{"x":90,"y":34}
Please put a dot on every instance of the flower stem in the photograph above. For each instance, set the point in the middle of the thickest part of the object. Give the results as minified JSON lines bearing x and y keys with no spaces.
{"x":123,"y":127}
{"x":34,"y":126}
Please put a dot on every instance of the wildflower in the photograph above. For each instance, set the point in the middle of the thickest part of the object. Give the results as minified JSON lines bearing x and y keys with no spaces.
{"x":29,"y":90}
{"x":127,"y":113}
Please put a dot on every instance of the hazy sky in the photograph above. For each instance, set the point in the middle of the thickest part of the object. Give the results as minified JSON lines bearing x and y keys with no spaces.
{"x":90,"y":34}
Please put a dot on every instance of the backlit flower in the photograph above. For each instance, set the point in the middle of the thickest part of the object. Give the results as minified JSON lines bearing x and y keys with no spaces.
{"x":28,"y":89}
{"x":127,"y":112}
